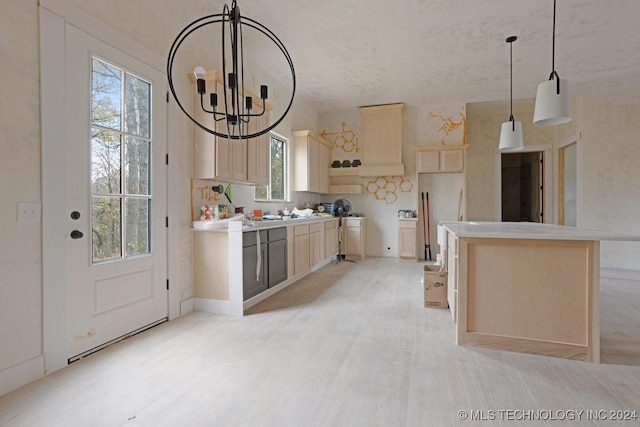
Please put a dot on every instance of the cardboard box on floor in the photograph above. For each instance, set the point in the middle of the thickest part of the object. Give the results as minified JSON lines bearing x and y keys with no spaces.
{"x":435,"y":287}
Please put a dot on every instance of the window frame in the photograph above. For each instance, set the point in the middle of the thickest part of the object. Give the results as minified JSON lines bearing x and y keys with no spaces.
{"x":287,"y":154}
{"x":123,"y":194}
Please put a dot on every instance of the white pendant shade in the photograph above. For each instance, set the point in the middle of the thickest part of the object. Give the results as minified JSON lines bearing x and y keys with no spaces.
{"x":552,"y":108}
{"x":511,"y":140}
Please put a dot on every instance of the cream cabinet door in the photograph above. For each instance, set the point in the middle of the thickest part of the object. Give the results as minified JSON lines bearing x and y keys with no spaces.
{"x":324,"y":157}
{"x":315,"y":250}
{"x":452,"y":160}
{"x":258,"y":153}
{"x":301,"y":249}
{"x":407,"y":239}
{"x":331,"y":238}
{"x":428,"y":161}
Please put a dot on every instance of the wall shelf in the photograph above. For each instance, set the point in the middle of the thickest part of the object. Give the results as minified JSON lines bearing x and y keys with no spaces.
{"x":343,"y":171}
{"x":345,"y":189}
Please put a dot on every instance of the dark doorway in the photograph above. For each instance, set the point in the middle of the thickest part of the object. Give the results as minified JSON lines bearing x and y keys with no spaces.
{"x":522,"y":187}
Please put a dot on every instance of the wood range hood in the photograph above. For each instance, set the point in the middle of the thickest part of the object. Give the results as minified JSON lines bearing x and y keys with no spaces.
{"x":382,"y":140}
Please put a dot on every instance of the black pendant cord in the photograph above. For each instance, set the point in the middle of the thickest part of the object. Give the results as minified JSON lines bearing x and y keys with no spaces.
{"x":513,"y":122}
{"x":554,"y":74}
{"x":553,"y":41}
{"x":510,"y":40}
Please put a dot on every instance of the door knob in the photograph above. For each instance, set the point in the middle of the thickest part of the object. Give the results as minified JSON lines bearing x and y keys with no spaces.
{"x":77,"y":234}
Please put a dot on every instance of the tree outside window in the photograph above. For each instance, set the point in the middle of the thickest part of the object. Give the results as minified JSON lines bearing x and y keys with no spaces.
{"x":277,"y":188}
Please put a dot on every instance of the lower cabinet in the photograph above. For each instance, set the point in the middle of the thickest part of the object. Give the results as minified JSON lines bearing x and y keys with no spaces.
{"x":277,"y":255}
{"x":301,"y":248}
{"x":254,"y":274}
{"x":316,"y":250}
{"x":271,"y":268}
{"x":452,"y":274}
{"x":407,"y":238}
{"x":330,"y":238}
{"x":354,"y":237}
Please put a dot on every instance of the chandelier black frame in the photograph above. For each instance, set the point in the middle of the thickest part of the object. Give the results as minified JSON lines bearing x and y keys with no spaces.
{"x":239,"y":112}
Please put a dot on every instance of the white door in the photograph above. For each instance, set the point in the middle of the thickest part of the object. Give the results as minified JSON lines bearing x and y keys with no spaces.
{"x":116,"y":187}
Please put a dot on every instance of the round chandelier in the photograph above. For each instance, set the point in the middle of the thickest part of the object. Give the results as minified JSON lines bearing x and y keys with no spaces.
{"x":236,"y":109}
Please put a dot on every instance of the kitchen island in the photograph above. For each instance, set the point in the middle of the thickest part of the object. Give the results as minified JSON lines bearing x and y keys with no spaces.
{"x":526,"y":287}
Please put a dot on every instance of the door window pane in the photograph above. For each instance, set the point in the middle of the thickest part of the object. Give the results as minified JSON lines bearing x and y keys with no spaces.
{"x":105,"y":161}
{"x":137,"y":98}
{"x":137,"y":220}
{"x":106,"y":89}
{"x":137,"y":171}
{"x":106,"y":232}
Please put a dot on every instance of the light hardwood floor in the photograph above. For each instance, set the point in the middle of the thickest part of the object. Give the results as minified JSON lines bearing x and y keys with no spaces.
{"x":349,"y":345}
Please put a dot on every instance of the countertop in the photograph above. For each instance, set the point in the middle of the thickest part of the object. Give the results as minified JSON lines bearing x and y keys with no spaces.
{"x":264,"y":225}
{"x":530,"y":230}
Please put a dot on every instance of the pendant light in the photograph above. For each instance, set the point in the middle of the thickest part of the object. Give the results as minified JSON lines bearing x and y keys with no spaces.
{"x":511,"y":132}
{"x":552,"y":100}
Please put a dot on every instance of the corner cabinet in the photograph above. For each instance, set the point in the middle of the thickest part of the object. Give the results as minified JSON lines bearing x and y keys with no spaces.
{"x":312,"y":155}
{"x":446,"y":158}
{"x":241,"y":161}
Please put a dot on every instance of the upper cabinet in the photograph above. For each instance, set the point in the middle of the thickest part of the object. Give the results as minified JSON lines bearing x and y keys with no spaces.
{"x":448,"y":158}
{"x":228,"y":160}
{"x":382,"y":140}
{"x":258,"y":152}
{"x":312,"y":155}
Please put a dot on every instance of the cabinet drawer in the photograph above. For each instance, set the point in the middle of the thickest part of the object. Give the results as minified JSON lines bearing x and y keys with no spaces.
{"x":277,"y":233}
{"x":301,"y":230}
{"x":330,"y":224}
{"x":403,"y":223}
{"x":315,"y":228}
{"x":249,"y":237}
{"x":350,"y":222}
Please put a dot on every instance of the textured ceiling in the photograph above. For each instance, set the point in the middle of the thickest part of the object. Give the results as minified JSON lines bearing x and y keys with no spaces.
{"x":349,"y":53}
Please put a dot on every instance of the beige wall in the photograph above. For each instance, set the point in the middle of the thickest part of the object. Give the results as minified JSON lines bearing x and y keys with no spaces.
{"x":608,"y":164}
{"x":20,"y":242}
{"x":611,"y":175}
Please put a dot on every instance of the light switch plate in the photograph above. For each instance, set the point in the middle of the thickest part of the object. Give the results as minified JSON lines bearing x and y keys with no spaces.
{"x":29,"y":211}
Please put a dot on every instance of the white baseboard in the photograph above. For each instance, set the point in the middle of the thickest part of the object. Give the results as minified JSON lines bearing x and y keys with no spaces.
{"x":186,"y":306}
{"x":21,"y":374}
{"x":214,"y":306}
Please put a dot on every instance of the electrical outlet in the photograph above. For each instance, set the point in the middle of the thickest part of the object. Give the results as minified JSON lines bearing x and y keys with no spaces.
{"x":29,"y":211}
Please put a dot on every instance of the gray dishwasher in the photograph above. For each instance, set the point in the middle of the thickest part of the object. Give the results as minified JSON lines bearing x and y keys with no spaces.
{"x":273,"y":260}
